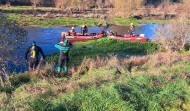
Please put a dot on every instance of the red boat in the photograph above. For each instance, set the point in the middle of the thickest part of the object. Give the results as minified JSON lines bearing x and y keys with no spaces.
{"x":140,"y":37}
{"x":86,"y":37}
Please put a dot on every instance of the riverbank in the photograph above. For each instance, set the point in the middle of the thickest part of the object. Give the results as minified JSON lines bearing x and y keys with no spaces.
{"x":103,"y":48}
{"x":54,"y":17}
{"x":158,"y":82}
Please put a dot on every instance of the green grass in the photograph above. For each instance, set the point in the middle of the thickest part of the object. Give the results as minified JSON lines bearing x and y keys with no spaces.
{"x":106,"y":89}
{"x":103,"y":47}
{"x":29,"y":20}
{"x":154,"y":93}
{"x":15,"y":13}
{"x":128,"y":21}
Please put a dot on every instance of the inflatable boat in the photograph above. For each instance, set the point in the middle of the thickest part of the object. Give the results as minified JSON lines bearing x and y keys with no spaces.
{"x":86,"y":37}
{"x":127,"y":37}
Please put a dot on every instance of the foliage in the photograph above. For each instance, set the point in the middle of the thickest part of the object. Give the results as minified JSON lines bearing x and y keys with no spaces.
{"x":15,"y":81}
{"x":18,"y":79}
{"x":173,"y":37}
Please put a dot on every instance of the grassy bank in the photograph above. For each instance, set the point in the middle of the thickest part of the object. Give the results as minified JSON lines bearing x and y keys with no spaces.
{"x":128,"y":21}
{"x":158,"y":82}
{"x":26,"y":17}
{"x":29,"y":20}
{"x":49,"y":17}
{"x":104,"y":47}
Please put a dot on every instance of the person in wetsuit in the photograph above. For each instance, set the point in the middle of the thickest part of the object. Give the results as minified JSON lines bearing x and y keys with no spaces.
{"x":33,"y":52}
{"x":64,"y":47}
{"x":84,"y":29}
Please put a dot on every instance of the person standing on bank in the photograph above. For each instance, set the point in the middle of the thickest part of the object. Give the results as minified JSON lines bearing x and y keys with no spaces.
{"x":64,"y":47}
{"x":84,"y":29}
{"x":33,"y":52}
{"x":132,"y":30}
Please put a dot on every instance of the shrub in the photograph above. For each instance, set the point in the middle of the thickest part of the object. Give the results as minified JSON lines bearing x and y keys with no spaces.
{"x":173,"y":37}
{"x":18,"y":79}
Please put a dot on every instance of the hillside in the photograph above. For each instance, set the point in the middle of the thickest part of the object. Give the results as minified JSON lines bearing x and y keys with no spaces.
{"x":102,"y":81}
{"x":156,"y":82}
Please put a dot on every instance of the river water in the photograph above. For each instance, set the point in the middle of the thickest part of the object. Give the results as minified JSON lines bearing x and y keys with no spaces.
{"x":46,"y":38}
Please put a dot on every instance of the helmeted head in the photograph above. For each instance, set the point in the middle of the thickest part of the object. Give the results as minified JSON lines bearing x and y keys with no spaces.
{"x":131,"y":23}
{"x":62,"y":35}
{"x":83,"y":26}
{"x":73,"y":27}
{"x":33,"y":43}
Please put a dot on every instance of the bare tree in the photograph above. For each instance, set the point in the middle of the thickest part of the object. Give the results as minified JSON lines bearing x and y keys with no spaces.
{"x":173,"y":37}
{"x":126,"y":8}
{"x":35,"y":2}
{"x":12,"y":38}
{"x":8,"y":4}
{"x":62,"y":3}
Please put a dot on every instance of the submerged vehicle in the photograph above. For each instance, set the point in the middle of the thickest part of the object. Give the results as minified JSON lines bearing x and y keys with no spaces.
{"x":86,"y":37}
{"x":127,"y":37}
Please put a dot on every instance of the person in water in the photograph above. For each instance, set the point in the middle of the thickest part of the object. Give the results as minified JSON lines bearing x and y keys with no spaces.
{"x":64,"y":47}
{"x":72,"y":31}
{"x":84,"y":29}
{"x":33,"y":52}
{"x":132,"y":30}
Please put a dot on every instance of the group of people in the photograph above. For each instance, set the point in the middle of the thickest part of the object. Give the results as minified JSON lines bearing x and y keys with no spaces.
{"x":35,"y":50}
{"x":131,"y":31}
{"x":64,"y":46}
{"x":84,"y":30}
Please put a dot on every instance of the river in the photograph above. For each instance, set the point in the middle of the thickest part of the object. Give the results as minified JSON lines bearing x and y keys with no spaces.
{"x":46,"y":38}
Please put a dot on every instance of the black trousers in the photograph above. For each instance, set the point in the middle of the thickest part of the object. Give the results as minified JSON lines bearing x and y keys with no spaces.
{"x":131,"y":33}
{"x":33,"y":63}
{"x":84,"y":31}
{"x":63,"y":60}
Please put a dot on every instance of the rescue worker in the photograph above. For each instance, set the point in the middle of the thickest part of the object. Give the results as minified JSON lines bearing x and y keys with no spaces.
{"x":72,"y":31}
{"x":132,"y":30}
{"x":84,"y":29}
{"x":64,"y":47}
{"x":34,"y":52}
{"x":111,"y":33}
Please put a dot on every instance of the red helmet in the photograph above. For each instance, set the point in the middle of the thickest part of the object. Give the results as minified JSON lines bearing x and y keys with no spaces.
{"x":62,"y":35}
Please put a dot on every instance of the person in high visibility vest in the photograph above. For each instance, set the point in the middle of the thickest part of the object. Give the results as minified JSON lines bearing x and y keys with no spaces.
{"x":132,"y":30}
{"x":64,"y":47}
{"x":84,"y":29}
{"x":34,"y":51}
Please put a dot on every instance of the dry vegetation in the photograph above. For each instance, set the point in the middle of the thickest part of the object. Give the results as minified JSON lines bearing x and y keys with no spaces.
{"x":173,"y":37}
{"x":46,"y":86}
{"x":147,"y":9}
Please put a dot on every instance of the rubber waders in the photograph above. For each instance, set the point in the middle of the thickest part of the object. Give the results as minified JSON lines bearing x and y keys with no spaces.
{"x":66,"y":69}
{"x":59,"y":69}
